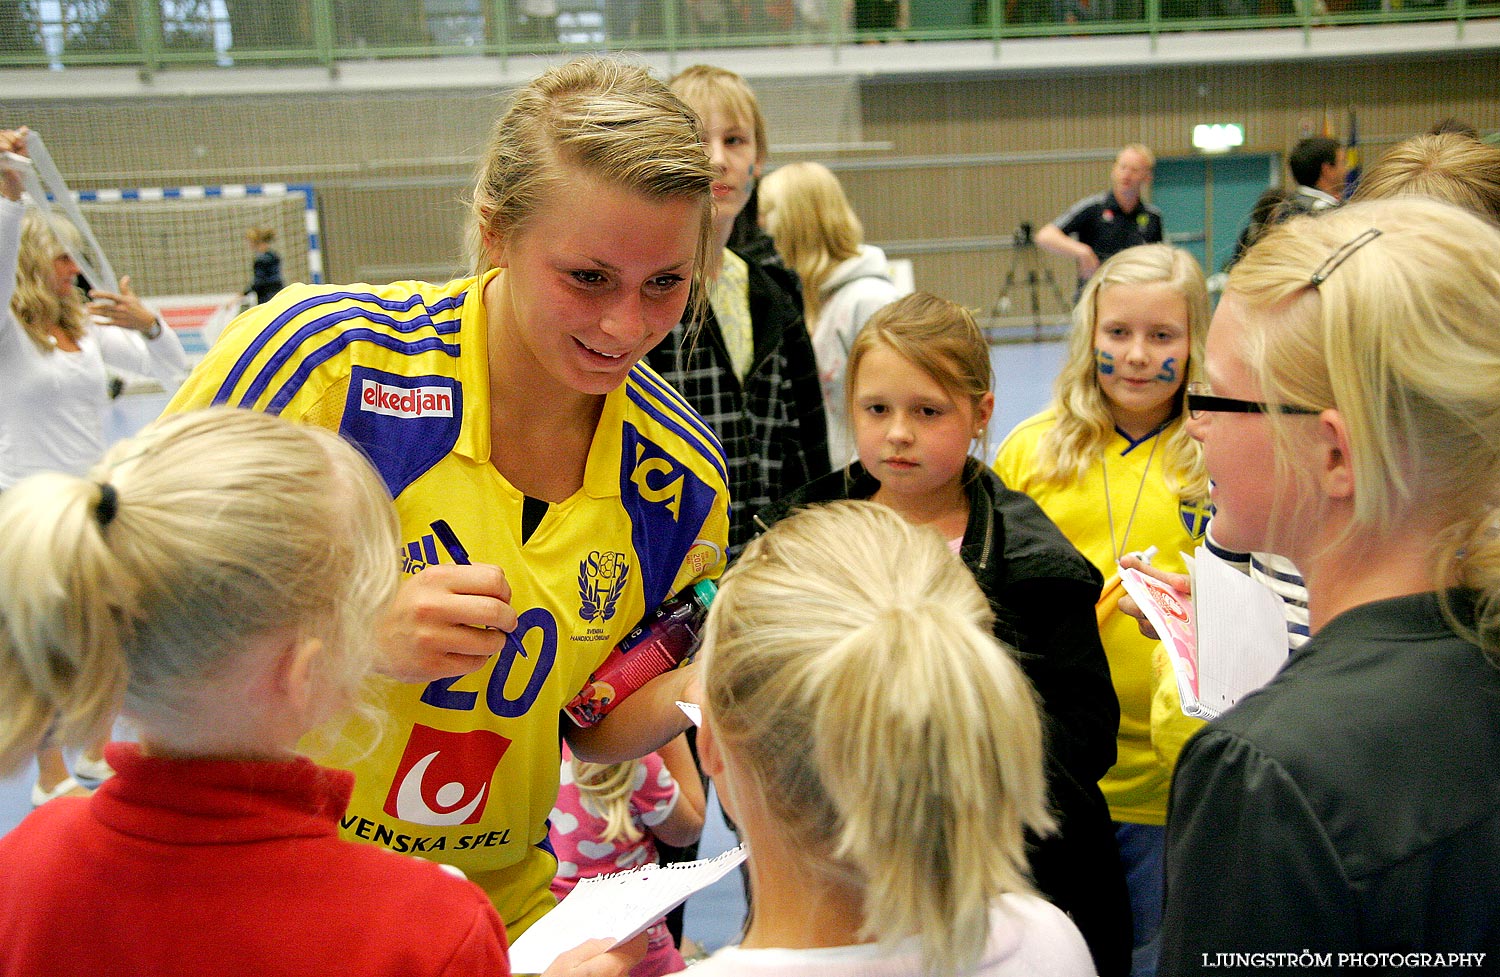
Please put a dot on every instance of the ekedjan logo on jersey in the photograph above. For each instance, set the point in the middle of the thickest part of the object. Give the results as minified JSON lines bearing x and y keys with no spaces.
{"x":379,"y":398}
{"x":444,"y":778}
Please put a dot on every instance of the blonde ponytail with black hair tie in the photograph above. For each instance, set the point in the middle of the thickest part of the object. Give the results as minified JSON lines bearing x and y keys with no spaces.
{"x":108,"y":506}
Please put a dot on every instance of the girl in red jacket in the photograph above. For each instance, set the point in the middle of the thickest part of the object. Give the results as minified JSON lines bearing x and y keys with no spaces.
{"x":220,"y":578}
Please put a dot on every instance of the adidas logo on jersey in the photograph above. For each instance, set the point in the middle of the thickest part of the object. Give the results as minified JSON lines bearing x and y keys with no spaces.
{"x":379,"y":398}
{"x":419,"y":554}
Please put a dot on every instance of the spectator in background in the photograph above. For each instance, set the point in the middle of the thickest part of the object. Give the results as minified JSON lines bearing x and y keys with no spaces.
{"x":1318,"y":167}
{"x":267,"y":268}
{"x":881,"y":15}
{"x":1455,"y":126}
{"x":535,"y":22}
{"x":749,"y":367}
{"x":844,"y":280}
{"x":1098,"y":227}
{"x":1075,"y":11}
{"x":1262,"y":215}
{"x":56,"y":351}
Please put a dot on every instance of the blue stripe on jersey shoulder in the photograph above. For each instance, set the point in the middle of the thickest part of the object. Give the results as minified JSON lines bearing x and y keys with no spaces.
{"x":651,"y":381}
{"x":290,"y":347}
{"x":709,"y":450}
{"x":316,"y":358}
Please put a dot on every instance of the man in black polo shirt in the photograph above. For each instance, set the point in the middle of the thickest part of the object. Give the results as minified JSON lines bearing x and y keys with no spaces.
{"x":1106,"y":223}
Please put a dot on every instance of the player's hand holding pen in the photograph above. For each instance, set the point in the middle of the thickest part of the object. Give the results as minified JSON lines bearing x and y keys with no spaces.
{"x":447,"y":620}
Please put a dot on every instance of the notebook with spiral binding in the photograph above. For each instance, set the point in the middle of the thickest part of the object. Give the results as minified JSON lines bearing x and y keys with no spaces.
{"x":616,"y":907}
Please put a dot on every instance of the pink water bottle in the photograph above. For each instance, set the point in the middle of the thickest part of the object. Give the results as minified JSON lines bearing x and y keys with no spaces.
{"x":664,"y":640}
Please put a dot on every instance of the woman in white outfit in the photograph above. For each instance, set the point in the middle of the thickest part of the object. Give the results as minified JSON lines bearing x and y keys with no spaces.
{"x":844,"y":280}
{"x":54,"y":389}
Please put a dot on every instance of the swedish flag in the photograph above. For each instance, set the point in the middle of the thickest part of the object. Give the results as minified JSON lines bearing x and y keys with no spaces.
{"x":1195,"y":517}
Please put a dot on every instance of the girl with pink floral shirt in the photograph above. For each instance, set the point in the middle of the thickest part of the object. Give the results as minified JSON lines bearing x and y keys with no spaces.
{"x":608,"y":819}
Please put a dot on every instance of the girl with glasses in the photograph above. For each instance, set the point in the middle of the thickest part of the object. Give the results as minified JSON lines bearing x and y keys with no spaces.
{"x":1345,"y":810}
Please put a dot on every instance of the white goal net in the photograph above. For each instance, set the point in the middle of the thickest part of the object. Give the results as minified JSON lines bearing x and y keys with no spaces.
{"x":186,"y":252}
{"x":191,"y":240}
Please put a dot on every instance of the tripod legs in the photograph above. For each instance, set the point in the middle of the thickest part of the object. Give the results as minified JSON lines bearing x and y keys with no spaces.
{"x":1025,"y":259}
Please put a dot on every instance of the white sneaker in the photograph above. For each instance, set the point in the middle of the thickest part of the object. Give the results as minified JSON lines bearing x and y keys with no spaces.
{"x":96,"y":770}
{"x":67,"y":787}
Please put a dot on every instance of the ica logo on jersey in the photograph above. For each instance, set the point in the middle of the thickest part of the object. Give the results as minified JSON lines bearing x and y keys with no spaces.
{"x":444,"y":778}
{"x":652,"y":478}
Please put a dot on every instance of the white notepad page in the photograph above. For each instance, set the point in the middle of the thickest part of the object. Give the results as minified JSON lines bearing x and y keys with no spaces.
{"x":616,"y":907}
{"x":1242,"y":637}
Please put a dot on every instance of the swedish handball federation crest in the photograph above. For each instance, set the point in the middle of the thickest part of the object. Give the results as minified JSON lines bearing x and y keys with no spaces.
{"x":601,"y":581}
{"x":1195,"y":516}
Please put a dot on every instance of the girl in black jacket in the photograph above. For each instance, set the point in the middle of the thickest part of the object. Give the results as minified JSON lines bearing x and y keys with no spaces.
{"x":919,"y":388}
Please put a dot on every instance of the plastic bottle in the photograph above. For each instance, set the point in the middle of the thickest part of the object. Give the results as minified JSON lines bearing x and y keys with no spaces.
{"x":663,"y":641}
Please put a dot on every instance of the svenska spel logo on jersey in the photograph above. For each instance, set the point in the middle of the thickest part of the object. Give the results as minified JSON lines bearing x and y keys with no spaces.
{"x":379,"y":398}
{"x":601,"y":581}
{"x":444,"y":778}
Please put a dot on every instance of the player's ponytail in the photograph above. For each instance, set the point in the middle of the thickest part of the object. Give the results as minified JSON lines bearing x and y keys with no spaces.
{"x":851,"y":664}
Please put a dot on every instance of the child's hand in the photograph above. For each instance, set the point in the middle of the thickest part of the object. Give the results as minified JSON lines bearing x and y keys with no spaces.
{"x":1179,"y":582}
{"x":594,"y":959}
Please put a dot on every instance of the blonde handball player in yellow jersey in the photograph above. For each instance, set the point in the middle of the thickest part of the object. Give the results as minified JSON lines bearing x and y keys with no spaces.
{"x":552,"y":490}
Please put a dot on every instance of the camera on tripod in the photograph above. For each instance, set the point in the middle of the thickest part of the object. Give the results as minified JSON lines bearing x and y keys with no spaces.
{"x":1026,"y":269}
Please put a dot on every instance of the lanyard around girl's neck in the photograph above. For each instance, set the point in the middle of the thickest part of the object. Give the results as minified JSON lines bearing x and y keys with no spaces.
{"x":1120,"y":547}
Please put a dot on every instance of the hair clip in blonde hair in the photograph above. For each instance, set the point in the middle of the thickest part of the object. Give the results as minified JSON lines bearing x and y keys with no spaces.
{"x":109,"y":504}
{"x":1342,"y":255}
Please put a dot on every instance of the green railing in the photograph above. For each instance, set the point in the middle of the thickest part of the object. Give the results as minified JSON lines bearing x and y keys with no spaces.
{"x":154,"y":34}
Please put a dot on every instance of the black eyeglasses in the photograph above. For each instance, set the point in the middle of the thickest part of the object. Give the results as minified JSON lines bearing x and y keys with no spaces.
{"x":1200,"y":402}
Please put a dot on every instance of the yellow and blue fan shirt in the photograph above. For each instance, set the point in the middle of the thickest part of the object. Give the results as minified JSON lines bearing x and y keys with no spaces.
{"x":465,"y":771}
{"x":1136,"y":786}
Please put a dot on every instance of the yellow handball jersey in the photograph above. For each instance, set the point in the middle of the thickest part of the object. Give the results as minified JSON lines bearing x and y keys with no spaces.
{"x":1136,"y":786}
{"x":466,"y":770}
